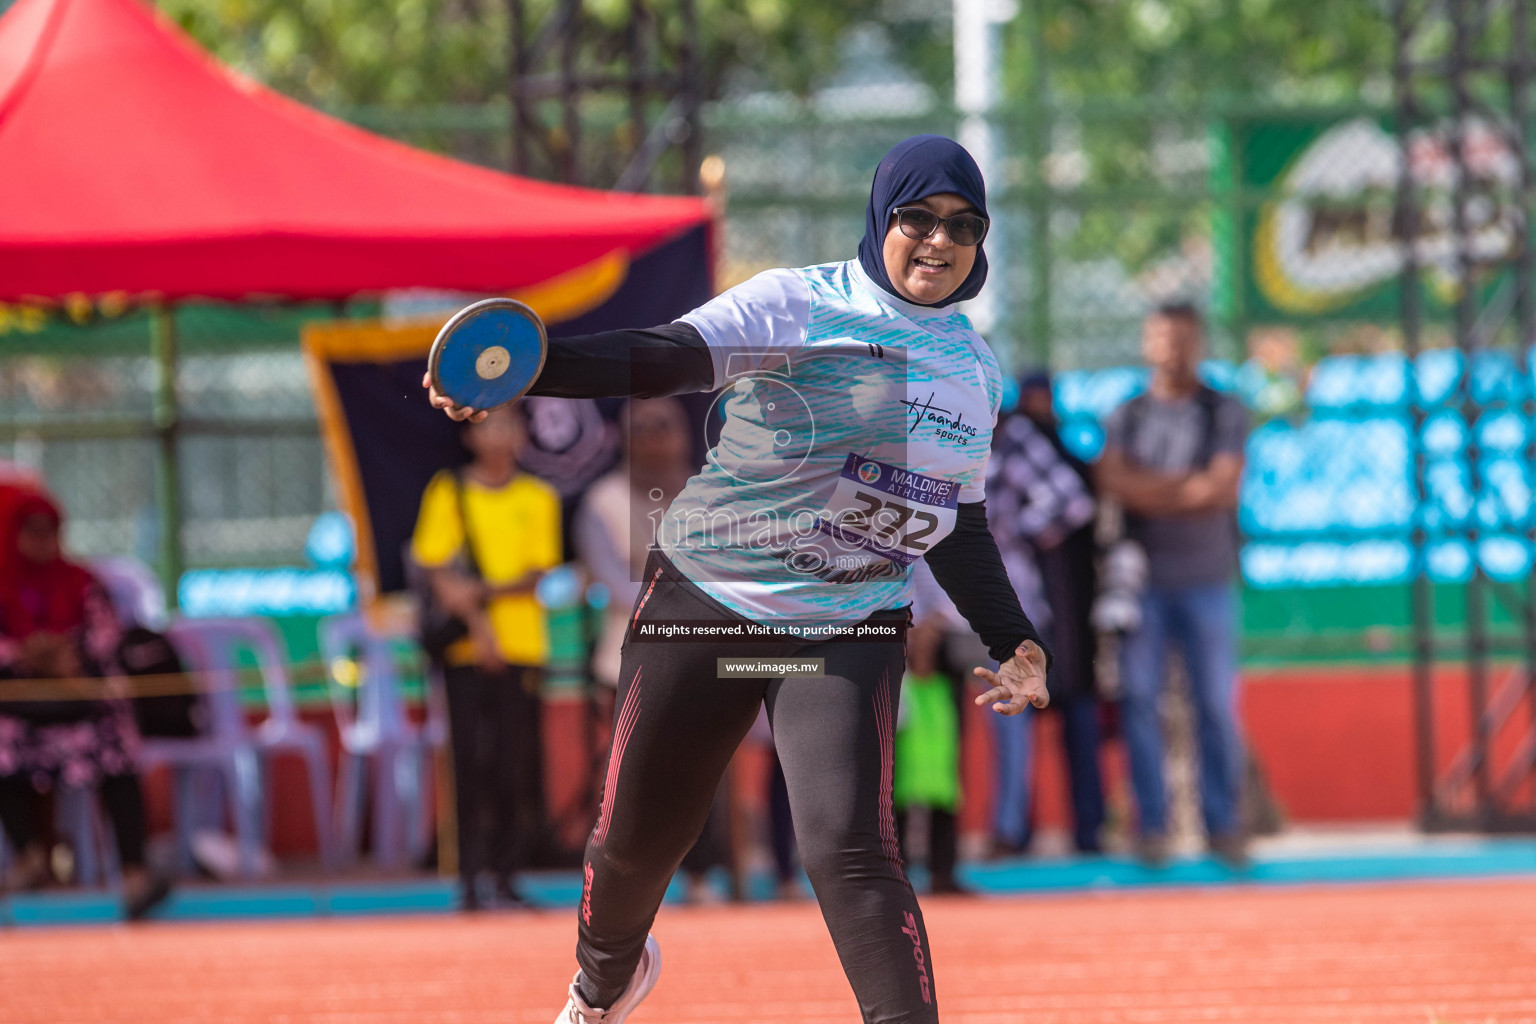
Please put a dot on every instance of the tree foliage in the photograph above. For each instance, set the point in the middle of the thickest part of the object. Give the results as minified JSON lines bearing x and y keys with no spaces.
{"x":1188,"y":49}
{"x":419,"y":52}
{"x":1134,"y":87}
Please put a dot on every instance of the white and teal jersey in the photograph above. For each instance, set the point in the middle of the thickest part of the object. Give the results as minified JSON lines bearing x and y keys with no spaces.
{"x":853,"y":423}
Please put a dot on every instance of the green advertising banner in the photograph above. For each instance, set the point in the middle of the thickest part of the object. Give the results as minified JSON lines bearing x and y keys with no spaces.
{"x":1319,"y":231}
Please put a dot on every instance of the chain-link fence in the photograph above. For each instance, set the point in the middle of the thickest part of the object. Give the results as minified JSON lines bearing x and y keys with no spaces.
{"x":1100,"y":209}
{"x":78,"y":405}
{"x":1098,"y":212}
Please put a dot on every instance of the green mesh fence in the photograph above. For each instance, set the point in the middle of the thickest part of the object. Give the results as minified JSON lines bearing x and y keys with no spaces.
{"x":78,"y":405}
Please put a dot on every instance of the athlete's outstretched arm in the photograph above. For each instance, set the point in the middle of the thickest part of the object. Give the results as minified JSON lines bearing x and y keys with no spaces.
{"x":672,"y":359}
{"x":969,"y":567}
{"x":758,"y":322}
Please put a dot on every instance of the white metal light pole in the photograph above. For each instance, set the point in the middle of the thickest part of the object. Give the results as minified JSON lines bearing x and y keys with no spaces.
{"x":977,"y":85}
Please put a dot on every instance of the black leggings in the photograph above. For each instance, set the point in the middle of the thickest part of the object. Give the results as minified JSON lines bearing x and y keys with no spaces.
{"x":121,"y":797}
{"x":675,"y":729}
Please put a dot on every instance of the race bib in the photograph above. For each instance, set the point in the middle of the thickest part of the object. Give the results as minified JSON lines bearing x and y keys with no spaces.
{"x":889,"y":511}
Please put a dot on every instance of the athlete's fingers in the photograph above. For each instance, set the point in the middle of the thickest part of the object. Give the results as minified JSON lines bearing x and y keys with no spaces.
{"x":438,"y":400}
{"x":1014,"y":705}
{"x":991,"y":679}
{"x":1038,"y":695}
{"x":1003,"y":698}
{"x":457,"y":413}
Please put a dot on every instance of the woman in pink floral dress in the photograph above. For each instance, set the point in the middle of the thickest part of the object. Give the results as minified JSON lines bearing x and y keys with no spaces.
{"x":56,"y":623}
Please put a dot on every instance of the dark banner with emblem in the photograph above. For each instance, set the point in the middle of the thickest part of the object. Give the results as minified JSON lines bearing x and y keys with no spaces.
{"x":385,"y":442}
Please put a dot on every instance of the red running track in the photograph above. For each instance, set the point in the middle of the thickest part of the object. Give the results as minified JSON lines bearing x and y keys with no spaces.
{"x":1443,"y":953}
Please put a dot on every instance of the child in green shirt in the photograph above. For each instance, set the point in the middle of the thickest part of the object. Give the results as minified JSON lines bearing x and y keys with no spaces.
{"x":927,"y":770}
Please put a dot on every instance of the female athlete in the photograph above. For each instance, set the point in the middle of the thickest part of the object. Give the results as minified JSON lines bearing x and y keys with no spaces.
{"x":858,"y":408}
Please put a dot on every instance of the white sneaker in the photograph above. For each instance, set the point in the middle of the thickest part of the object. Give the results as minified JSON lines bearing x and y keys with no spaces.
{"x":646,"y":972}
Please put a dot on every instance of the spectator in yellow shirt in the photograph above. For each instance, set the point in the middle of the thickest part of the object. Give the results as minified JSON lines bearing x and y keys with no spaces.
{"x":486,"y":534}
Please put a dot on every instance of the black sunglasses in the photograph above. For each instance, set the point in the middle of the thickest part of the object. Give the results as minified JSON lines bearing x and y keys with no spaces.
{"x":962,"y":228}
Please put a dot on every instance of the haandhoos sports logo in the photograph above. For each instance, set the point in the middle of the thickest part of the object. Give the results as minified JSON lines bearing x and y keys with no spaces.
{"x":949,"y":426}
{"x":1332,"y":235}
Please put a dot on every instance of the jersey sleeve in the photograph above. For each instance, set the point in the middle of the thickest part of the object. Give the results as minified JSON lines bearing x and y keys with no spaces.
{"x":755,"y":325}
{"x":973,"y":486}
{"x":439,"y":534}
{"x":992,"y":380}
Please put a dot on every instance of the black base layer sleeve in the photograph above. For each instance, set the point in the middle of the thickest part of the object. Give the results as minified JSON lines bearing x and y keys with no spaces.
{"x":969,"y":567}
{"x":656,"y":362}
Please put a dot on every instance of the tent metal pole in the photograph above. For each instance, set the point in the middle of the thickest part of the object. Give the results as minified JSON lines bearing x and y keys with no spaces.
{"x":570,"y":94}
{"x":167,"y":419}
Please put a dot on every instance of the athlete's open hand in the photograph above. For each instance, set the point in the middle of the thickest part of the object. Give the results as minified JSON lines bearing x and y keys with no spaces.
{"x":443,"y":402}
{"x":1018,"y":683}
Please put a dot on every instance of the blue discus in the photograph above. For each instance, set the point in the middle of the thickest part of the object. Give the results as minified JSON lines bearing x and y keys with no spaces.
{"x":488,"y":354}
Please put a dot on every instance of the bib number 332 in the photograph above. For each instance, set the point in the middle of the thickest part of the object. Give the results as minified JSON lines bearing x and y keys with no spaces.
{"x":889,"y":511}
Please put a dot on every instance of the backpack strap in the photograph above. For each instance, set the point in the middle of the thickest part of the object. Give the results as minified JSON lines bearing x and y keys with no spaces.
{"x":1210,"y":404}
{"x":469,"y":537}
{"x":1209,"y":400}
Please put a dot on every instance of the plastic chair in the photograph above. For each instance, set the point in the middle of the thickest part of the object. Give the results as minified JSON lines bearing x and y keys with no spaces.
{"x":282,"y":731}
{"x":237,"y":751}
{"x":374,"y":728}
{"x":225,"y":747}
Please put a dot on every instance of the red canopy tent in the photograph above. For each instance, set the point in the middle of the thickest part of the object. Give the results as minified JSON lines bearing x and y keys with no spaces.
{"x":131,"y":161}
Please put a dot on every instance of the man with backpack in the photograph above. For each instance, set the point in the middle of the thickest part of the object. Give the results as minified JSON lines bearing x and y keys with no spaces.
{"x":1173,"y":459}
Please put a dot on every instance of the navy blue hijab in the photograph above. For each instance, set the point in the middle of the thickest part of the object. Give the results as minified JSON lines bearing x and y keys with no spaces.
{"x":921,"y":166}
